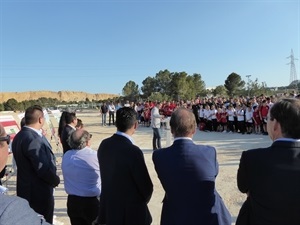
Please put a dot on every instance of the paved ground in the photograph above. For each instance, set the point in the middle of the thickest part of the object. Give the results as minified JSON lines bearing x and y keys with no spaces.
{"x":229,"y":148}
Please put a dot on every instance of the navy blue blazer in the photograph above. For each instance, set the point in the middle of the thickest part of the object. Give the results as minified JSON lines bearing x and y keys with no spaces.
{"x":271,"y":176}
{"x":36,"y":171}
{"x":187,"y":173}
{"x":126,"y":187}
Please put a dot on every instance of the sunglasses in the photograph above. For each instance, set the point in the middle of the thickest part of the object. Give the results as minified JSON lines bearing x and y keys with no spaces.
{"x":6,"y":138}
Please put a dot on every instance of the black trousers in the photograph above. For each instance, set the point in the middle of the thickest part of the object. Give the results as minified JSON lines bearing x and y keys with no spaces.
{"x":111,"y":115}
{"x":82,"y":210}
{"x":43,"y":206}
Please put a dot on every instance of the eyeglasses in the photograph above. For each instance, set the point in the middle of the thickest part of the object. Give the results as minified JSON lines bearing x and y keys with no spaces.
{"x":90,"y":136}
{"x":6,"y":138}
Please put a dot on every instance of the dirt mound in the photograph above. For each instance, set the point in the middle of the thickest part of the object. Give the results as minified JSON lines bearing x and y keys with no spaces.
{"x":61,"y":95}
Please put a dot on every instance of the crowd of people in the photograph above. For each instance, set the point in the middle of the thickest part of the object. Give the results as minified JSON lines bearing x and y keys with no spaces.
{"x":228,"y":115}
{"x":112,"y":185}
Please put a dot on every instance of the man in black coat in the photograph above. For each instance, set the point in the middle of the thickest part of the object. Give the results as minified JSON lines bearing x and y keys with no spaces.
{"x":126,"y":184}
{"x":69,"y":128}
{"x":271,"y":176}
{"x":36,"y":174}
{"x":13,"y":209}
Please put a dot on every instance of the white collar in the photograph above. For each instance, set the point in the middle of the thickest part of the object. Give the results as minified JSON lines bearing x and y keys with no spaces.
{"x":183,"y":138}
{"x":125,"y":135}
{"x":287,"y":139}
{"x":39,"y":132}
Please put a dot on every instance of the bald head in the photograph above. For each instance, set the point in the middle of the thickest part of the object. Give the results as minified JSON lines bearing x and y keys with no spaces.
{"x":183,"y":123}
{"x":79,"y":139}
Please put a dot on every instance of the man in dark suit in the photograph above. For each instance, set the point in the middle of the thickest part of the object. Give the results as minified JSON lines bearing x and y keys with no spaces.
{"x":14,"y":210}
{"x":36,"y":173}
{"x":187,"y":173}
{"x":126,"y":184}
{"x":271,"y":176}
{"x":69,"y":128}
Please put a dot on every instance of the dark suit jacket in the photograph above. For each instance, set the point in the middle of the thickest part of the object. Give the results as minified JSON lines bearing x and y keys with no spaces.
{"x":126,"y":184}
{"x":36,"y":170}
{"x":187,"y":173}
{"x":272,"y":178}
{"x":15,"y":210}
{"x":64,"y":138}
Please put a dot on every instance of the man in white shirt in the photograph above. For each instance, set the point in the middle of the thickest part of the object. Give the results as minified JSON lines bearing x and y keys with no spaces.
{"x":155,"y":124}
{"x":80,"y":168}
{"x":111,"y":113}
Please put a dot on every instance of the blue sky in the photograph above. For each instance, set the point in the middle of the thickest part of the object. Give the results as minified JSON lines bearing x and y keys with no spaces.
{"x":98,"y":46}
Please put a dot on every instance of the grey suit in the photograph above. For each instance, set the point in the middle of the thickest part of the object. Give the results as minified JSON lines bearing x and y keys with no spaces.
{"x":16,"y":211}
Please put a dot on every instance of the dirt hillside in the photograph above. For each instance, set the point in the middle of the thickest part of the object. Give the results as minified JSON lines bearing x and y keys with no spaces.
{"x":60,"y":95}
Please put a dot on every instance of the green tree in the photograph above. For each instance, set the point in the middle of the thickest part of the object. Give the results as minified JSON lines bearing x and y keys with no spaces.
{"x":174,"y":85}
{"x":234,"y":84}
{"x":178,"y":86}
{"x":219,"y":91}
{"x":255,"y":88}
{"x":162,"y":81}
{"x":131,"y":90}
{"x":196,"y":86}
{"x":148,"y":86}
{"x":158,"y":96}
{"x":11,"y":105}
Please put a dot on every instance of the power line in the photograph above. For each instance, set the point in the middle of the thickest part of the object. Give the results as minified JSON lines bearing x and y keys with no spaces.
{"x":293,"y":73}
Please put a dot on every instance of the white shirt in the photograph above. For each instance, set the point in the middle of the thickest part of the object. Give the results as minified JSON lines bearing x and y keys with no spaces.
{"x":230,"y":114}
{"x":207,"y":114}
{"x":155,"y":117}
{"x":111,"y":108}
{"x":201,"y":113}
{"x":249,"y":115}
{"x":240,"y":115}
{"x":81,"y":172}
{"x":213,"y":113}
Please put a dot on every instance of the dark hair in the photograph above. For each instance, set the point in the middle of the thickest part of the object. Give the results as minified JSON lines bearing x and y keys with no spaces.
{"x":125,"y":118}
{"x":62,"y":122}
{"x":70,"y":117}
{"x":287,"y":113}
{"x":32,"y":114}
{"x":182,"y":122}
{"x":79,"y":123}
{"x":22,"y":122}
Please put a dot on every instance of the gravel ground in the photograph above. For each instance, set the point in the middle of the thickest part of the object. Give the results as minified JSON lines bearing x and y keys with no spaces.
{"x":229,"y":148}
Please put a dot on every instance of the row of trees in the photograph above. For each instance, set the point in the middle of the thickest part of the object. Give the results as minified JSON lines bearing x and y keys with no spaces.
{"x":166,"y":85}
{"x":13,"y":105}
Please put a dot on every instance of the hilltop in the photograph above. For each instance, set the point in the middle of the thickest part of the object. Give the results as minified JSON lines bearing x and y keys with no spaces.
{"x":60,"y":95}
